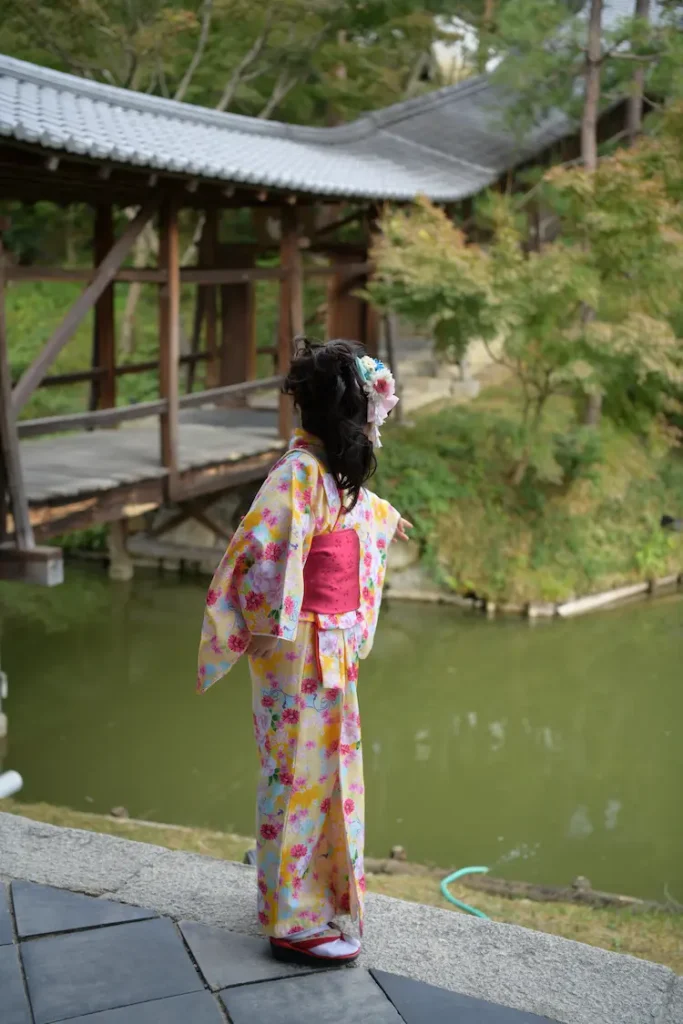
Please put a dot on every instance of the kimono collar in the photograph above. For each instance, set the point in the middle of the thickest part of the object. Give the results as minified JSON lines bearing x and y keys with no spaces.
{"x":302,"y":439}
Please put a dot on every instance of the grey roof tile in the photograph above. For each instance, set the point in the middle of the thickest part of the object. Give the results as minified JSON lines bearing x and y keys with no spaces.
{"x":448,"y":145}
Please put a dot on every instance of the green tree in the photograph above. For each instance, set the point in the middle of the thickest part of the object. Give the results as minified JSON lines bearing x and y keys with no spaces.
{"x":620,"y":254}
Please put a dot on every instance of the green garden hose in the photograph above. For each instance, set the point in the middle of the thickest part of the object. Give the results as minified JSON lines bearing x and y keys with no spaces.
{"x":458,"y":903}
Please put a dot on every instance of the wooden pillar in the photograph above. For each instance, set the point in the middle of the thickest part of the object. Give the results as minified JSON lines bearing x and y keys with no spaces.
{"x":208,"y":254}
{"x":11,"y":479}
{"x":169,"y":338}
{"x":348,"y":316}
{"x":291,"y":313}
{"x":104,"y":340}
{"x":238,"y":323}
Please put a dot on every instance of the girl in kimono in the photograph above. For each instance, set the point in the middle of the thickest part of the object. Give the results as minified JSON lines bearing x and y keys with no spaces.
{"x":298,"y":592}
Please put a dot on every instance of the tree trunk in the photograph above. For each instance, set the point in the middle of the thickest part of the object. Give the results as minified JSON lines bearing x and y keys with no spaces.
{"x":634,"y":117}
{"x":147,"y":244}
{"x":484,"y":32}
{"x":589,"y":145}
{"x":591,"y":104}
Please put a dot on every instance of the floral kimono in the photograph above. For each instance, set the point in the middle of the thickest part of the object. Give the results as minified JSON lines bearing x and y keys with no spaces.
{"x":310,"y":806}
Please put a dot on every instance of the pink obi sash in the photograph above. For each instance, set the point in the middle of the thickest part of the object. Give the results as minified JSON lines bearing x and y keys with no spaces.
{"x":331,"y":574}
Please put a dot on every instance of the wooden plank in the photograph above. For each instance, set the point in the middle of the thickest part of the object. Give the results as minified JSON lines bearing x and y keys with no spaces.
{"x":169,"y":338}
{"x":89,"y":420}
{"x":105,"y":335}
{"x":291,"y":316}
{"x":103,"y":278}
{"x":13,"y":482}
{"x":228,"y":391}
{"x":208,"y":253}
{"x":55,"y":519}
{"x":42,"y":566}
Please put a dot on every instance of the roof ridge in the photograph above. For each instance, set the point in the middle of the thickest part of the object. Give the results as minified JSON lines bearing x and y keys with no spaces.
{"x":438,"y":152}
{"x":405,"y":108}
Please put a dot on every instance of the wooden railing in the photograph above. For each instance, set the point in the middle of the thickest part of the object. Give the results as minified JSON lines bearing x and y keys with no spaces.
{"x":141,"y":410}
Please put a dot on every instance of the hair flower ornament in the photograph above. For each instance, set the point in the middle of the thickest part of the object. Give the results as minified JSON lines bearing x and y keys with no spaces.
{"x":380,"y":388}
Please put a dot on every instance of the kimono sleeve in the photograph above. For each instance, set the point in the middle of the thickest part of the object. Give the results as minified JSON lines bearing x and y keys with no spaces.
{"x":258,"y":587}
{"x":383,"y":523}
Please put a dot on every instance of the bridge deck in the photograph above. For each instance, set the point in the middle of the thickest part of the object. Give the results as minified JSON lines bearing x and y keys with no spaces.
{"x":112,"y":467}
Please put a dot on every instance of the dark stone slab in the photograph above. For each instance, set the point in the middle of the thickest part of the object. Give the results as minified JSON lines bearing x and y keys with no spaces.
{"x":346,"y":996}
{"x":197,"y":1008}
{"x":43,"y":910}
{"x":84,"y":972}
{"x":418,"y":1003}
{"x":14,"y":1008}
{"x":227,"y":958}
{"x":5,"y":920}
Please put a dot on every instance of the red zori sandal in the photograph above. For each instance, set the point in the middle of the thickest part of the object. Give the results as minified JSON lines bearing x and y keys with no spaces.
{"x":323,"y":949}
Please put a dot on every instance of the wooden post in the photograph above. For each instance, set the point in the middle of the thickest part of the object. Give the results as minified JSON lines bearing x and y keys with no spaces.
{"x":291,"y":316}
{"x":238,"y":325}
{"x":207,"y":254}
{"x":10,"y":462}
{"x":347,"y":315}
{"x":104,"y":329}
{"x":169,"y":338}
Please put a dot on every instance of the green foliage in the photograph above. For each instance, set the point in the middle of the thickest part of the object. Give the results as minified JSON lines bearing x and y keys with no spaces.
{"x":311,"y":61}
{"x":544,"y":42}
{"x":597,"y":527}
{"x":595,"y":311}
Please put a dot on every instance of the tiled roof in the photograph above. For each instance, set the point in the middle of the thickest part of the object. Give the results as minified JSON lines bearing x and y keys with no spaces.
{"x":447,"y":145}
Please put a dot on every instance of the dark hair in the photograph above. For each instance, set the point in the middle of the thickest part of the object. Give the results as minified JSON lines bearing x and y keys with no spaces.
{"x":327,"y":389}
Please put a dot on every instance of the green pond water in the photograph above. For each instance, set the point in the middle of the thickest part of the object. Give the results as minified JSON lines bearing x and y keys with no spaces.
{"x":544,"y":752}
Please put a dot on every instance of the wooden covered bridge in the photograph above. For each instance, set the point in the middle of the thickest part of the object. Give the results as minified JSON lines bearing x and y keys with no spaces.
{"x":68,"y":140}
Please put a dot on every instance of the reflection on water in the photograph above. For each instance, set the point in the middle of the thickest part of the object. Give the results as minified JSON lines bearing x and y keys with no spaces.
{"x":545,"y":753}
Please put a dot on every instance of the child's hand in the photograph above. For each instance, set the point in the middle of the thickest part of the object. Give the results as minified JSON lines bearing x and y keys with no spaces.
{"x":403,"y":525}
{"x":262,"y":646}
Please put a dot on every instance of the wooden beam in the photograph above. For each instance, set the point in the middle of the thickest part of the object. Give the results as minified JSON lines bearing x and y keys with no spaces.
{"x":11,"y":475}
{"x":169,"y":339}
{"x":228,"y":391}
{"x":105,"y":333}
{"x":229,"y":275}
{"x":205,"y":275}
{"x":342,"y":222}
{"x":291,"y":313}
{"x":125,"y":413}
{"x":88,"y":420}
{"x":208,"y":254}
{"x":43,"y":566}
{"x":205,"y":519}
{"x":102,"y":279}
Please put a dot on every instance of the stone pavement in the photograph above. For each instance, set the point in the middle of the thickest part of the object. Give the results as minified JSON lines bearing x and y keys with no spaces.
{"x":65,"y":956}
{"x":77,"y":944}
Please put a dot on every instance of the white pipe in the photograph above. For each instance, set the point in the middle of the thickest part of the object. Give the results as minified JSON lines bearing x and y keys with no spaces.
{"x":10,"y":783}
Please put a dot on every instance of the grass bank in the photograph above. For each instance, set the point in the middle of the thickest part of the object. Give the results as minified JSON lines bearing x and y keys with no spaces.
{"x":651,"y":936}
{"x":595,"y":527}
